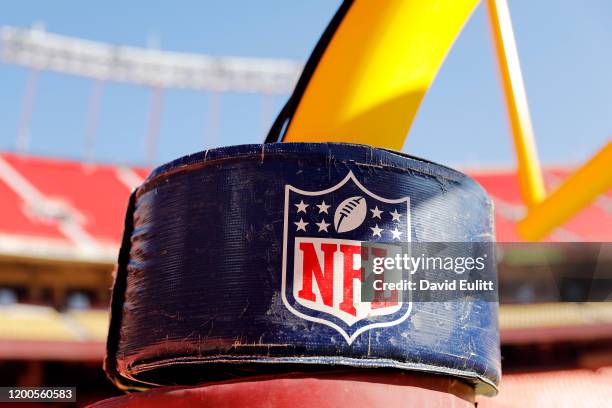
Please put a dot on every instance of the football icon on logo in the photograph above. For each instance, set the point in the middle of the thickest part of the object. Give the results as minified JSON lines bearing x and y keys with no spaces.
{"x":350,"y":214}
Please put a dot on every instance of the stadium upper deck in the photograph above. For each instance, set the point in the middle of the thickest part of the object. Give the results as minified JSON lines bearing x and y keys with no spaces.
{"x":66,"y":210}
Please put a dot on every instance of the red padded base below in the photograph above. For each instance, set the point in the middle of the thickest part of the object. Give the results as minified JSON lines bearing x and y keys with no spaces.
{"x":353,"y":390}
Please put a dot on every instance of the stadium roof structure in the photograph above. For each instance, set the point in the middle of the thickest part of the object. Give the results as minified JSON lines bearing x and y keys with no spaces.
{"x":37,"y":49}
{"x":70,"y":210}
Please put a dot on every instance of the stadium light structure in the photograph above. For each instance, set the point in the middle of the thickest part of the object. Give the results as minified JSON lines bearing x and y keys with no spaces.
{"x":40,"y":50}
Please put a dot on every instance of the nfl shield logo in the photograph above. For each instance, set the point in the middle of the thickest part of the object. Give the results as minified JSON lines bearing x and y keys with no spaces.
{"x":323,"y":253}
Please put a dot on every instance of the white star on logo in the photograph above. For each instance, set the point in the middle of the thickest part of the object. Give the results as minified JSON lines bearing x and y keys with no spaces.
{"x":301,"y":225}
{"x":376,"y":212}
{"x":376,"y":231}
{"x":395,"y":215}
{"x":301,"y":206}
{"x":396,"y":233}
{"x":323,"y":208}
{"x":322,"y":225}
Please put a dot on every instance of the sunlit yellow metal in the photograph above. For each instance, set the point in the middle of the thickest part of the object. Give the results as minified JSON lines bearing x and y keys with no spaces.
{"x":375,"y":71}
{"x":529,"y":172}
{"x":379,"y":64}
{"x":580,"y":189}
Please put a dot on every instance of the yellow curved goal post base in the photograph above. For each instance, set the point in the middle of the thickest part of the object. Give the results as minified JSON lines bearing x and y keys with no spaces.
{"x":373,"y":74}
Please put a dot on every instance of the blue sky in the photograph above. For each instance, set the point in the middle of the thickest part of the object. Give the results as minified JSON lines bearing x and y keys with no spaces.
{"x":565,"y":48}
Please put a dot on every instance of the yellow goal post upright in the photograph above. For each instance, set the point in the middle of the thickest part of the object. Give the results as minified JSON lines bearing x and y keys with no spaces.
{"x":367,"y":76}
{"x":592,"y":179}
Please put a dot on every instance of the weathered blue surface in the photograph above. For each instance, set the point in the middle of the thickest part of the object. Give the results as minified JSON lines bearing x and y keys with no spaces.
{"x":200,"y":273}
